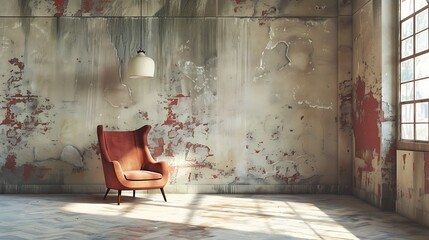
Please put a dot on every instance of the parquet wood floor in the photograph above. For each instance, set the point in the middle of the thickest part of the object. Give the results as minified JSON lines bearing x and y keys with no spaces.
{"x":199,"y":216}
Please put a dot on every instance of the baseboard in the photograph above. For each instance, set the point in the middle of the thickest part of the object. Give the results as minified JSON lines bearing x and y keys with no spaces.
{"x":209,"y":189}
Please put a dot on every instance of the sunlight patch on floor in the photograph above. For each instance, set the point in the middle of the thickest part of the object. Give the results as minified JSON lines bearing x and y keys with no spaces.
{"x":293,"y":219}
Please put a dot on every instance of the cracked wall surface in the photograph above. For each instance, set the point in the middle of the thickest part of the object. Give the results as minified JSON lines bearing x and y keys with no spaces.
{"x":246,"y":95}
{"x":374,"y":103}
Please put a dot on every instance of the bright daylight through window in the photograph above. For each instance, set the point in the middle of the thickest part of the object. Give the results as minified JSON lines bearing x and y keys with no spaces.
{"x":414,"y":71}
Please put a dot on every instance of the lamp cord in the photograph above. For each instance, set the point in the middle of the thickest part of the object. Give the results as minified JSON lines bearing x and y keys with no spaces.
{"x":141,"y":28}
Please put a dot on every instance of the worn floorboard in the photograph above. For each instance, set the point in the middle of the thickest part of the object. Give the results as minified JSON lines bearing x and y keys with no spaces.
{"x":199,"y":216}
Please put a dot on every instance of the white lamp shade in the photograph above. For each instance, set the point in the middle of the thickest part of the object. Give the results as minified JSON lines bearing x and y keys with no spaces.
{"x":141,"y":66}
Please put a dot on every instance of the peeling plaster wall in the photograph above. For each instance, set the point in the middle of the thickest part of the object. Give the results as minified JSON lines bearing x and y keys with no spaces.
{"x":248,"y":96}
{"x":413,"y":185}
{"x":374,"y":102}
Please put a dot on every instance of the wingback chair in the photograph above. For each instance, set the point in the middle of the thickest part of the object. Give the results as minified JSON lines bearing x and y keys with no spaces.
{"x":127,"y":162}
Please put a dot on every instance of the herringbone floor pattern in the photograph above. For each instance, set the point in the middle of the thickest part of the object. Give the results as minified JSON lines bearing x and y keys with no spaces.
{"x":200,"y":216}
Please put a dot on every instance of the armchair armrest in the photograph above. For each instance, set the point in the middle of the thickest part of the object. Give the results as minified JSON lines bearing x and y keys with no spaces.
{"x":118,"y":171}
{"x":159,"y":167}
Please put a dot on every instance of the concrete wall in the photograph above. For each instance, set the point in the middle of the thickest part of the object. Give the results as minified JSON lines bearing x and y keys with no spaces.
{"x":374,"y":101}
{"x":248,"y":95}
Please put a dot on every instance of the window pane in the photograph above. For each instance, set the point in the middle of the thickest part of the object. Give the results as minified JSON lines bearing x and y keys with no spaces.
{"x":407,"y":131}
{"x":422,"y":41}
{"x":422,"y":89}
{"x":422,"y":132}
{"x":407,"y":113}
{"x":422,"y":63}
{"x":406,"y":8}
{"x":421,"y":20}
{"x":407,"y":92}
{"x":407,"y":70}
{"x":407,"y":47}
{"x":420,"y":4}
{"x":422,"y":112}
{"x":407,"y":28}
{"x":414,"y":72}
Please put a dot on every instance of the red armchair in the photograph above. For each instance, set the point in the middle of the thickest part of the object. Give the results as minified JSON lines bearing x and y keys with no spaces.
{"x":127,"y":162}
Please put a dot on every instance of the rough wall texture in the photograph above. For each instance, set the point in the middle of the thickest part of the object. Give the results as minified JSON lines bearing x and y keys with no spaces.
{"x":247,"y":100}
{"x":345,"y":103}
{"x":413,"y":185}
{"x":374,"y":103}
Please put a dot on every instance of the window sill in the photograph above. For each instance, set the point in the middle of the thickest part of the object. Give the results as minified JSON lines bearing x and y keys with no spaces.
{"x":413,"y":146}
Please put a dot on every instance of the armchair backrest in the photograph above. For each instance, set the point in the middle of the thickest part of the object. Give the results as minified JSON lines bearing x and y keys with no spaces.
{"x":126,"y":147}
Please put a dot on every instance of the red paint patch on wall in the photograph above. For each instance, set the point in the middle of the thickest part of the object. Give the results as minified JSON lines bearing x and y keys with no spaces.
{"x":29,"y":170}
{"x":366,"y":121}
{"x":366,"y":127}
{"x":159,"y":149}
{"x":169,"y":150}
{"x":196,"y":146}
{"x":31,"y":121}
{"x":391,"y":154}
{"x":59,"y":5}
{"x":86,"y":5}
{"x":180,"y":127}
{"x":29,"y":105}
{"x":171,"y":116}
{"x":96,"y":6}
{"x":10,"y":162}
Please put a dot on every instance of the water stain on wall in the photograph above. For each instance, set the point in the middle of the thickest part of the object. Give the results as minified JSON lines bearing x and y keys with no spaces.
{"x":234,"y":101}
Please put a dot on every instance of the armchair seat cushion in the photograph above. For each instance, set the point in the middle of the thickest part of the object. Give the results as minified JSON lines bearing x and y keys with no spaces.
{"x":141,"y":175}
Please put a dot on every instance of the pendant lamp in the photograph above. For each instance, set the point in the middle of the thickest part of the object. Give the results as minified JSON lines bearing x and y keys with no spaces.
{"x":141,"y":65}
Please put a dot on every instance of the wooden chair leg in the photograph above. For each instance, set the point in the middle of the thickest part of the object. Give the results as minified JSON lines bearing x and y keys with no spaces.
{"x":163,"y":194}
{"x":107,"y":192}
{"x":119,"y":197}
{"x":134,"y":193}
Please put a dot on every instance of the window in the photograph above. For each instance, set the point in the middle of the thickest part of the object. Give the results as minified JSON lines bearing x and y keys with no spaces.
{"x":414,"y":72}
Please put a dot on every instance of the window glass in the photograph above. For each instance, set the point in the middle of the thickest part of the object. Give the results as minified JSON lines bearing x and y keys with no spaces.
{"x":407,"y":70}
{"x":422,"y":89}
{"x":422,"y":112}
{"x":420,"y":4}
{"x":407,"y":47}
{"x":422,"y":132}
{"x":407,"y":131}
{"x":406,"y":8}
{"x":407,"y":92}
{"x":422,"y":66}
{"x":407,"y":113}
{"x":422,"y":41}
{"x":407,"y":28}
{"x":421,"y":20}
